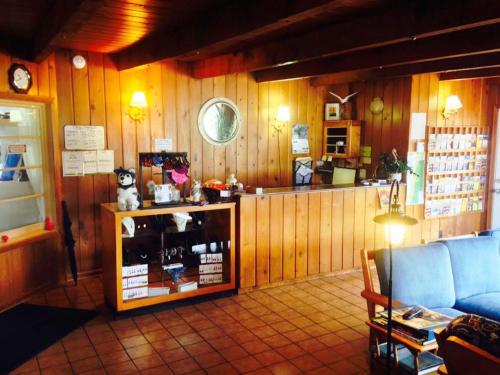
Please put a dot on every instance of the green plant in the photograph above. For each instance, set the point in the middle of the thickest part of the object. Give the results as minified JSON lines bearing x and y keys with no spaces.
{"x":392,"y":163}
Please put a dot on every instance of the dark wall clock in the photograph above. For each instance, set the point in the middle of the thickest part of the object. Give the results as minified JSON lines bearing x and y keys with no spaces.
{"x":19,"y":78}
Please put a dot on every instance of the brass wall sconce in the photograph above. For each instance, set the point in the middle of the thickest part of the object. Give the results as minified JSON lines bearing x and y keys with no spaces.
{"x":136,"y":106}
{"x":453,"y":104}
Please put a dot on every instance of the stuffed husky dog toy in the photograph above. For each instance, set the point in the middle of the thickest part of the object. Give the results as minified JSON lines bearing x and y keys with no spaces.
{"x":127,"y":192}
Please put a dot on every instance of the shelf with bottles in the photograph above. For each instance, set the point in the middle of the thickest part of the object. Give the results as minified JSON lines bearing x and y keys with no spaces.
{"x":150,"y":258}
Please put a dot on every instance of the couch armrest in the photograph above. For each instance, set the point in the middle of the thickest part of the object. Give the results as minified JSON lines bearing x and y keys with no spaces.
{"x":379,"y":299}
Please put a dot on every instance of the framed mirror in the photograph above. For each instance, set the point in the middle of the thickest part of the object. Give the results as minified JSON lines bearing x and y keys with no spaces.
{"x":219,"y":121}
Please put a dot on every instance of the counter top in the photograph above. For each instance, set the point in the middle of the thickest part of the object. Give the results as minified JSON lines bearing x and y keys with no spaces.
{"x":311,"y":188}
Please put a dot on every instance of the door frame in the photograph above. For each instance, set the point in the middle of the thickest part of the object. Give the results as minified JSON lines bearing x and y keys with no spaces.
{"x":492,"y":168}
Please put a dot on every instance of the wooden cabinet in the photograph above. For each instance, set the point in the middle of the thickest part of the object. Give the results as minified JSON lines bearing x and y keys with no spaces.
{"x":137,"y":270}
{"x":341,"y":138}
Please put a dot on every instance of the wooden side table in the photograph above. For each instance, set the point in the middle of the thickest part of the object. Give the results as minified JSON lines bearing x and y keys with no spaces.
{"x":378,"y":335}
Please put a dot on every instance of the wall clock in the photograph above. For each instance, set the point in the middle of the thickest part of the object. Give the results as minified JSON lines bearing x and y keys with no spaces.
{"x":19,"y":78}
{"x":376,"y":105}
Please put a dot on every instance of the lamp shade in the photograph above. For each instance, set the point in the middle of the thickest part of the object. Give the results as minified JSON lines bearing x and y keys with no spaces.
{"x":453,"y":103}
{"x":283,"y":113}
{"x":138,"y":100}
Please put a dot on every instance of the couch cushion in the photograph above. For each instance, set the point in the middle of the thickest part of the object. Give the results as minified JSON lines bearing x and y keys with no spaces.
{"x":421,"y":275}
{"x":491,"y":233}
{"x":448,"y":311}
{"x":475,"y":263}
{"x":487,"y":304}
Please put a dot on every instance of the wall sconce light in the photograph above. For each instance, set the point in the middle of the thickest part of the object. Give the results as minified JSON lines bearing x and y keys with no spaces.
{"x":137,"y":105}
{"x":282,"y":118}
{"x":453,"y":104}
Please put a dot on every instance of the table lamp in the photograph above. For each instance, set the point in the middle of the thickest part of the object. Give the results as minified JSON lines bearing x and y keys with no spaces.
{"x":395,"y":223}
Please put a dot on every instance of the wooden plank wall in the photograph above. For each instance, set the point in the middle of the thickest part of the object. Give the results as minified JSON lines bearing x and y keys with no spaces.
{"x":296,"y":235}
{"x":428,"y":95}
{"x":27,"y":269}
{"x":385,"y":130}
{"x":99,"y":94}
{"x":492,"y":111}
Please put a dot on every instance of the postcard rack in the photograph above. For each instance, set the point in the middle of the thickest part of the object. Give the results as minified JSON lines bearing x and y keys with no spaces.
{"x":456,"y":171}
{"x":167,"y":161}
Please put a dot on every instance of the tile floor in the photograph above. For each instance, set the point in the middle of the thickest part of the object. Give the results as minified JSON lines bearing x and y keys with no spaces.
{"x":311,"y":327}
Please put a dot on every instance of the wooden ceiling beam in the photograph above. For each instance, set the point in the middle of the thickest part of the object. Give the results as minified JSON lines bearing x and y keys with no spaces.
{"x":61,"y":20}
{"x":455,"y":44}
{"x":493,"y":71}
{"x":403,"y":23}
{"x":475,"y":62}
{"x":220,"y":29}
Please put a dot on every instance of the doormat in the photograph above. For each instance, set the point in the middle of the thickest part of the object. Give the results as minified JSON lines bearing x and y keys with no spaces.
{"x":27,"y":330}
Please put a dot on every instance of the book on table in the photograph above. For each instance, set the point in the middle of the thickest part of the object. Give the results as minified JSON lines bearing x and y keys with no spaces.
{"x":419,"y":329}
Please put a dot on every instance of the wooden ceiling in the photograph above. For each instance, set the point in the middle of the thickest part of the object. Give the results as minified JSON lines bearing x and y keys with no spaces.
{"x":330,"y":41}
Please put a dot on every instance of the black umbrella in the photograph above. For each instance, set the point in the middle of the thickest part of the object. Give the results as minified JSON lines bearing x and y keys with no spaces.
{"x":69,"y":241}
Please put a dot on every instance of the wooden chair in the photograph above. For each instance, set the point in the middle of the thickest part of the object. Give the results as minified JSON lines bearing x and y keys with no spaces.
{"x":373,"y":298}
{"x":463,"y":358}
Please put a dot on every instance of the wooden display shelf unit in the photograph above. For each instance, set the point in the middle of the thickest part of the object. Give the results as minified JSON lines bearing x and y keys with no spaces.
{"x":220,"y":224}
{"x":341,"y":138}
{"x":456,"y":155}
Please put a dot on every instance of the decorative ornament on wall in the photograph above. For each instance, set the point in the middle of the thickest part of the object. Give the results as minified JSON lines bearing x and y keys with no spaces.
{"x":377,"y":105}
{"x":79,"y":62}
{"x":20,"y":78}
{"x":345,"y":105}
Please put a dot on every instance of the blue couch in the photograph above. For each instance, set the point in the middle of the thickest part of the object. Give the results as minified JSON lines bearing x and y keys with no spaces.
{"x":453,"y":277}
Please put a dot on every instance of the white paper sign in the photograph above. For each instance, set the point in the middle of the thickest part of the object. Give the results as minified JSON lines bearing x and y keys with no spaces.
{"x":163,"y":144}
{"x":105,"y":161}
{"x":83,"y":137}
{"x":417,"y":125}
{"x":72,"y":163}
{"x":89,"y":162}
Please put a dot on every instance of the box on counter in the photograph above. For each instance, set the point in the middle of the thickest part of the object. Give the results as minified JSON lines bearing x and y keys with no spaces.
{"x":135,"y":270}
{"x":211,"y":279}
{"x":187,"y":287}
{"x":135,"y":293}
{"x":211,"y":258}
{"x":210,"y":268}
{"x":135,"y":281}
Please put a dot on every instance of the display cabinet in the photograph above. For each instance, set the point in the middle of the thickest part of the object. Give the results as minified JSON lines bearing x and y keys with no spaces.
{"x":153,"y":256}
{"x":457,"y":170}
{"x":341,"y":139}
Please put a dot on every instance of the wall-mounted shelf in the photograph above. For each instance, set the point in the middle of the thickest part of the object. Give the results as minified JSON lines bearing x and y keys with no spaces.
{"x":341,"y":138}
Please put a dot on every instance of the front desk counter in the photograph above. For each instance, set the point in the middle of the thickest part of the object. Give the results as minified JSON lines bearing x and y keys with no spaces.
{"x":292,"y":233}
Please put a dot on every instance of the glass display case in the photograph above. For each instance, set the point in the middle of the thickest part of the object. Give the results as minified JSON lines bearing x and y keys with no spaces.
{"x":24,"y":165}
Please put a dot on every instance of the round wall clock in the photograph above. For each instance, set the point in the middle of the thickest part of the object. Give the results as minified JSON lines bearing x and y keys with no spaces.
{"x":376,"y":105}
{"x":19,"y":78}
{"x":79,"y":61}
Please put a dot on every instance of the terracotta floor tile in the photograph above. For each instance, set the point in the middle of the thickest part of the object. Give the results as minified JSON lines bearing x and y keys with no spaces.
{"x":198,"y":348}
{"x":102,"y":337}
{"x":331,"y":339}
{"x":130,"y":342}
{"x":30,"y":366}
{"x":222,"y":369}
{"x":345,"y":367}
{"x":260,"y":371}
{"x":127,"y":332}
{"x":269,"y":357}
{"x":166,"y":344}
{"x":211,"y":333}
{"x":184,"y":366}
{"x":147,"y":362}
{"x":53,"y":360}
{"x":221,"y":343}
{"x":311,"y":345}
{"x":174,"y":355}
{"x":244,"y":336}
{"x":284,"y":368}
{"x":306,"y":362}
{"x":121,"y":368}
{"x":53,"y":349}
{"x":301,"y":322}
{"x":161,"y":370}
{"x":255,"y":346}
{"x":76,"y":343}
{"x":264,"y":331}
{"x":233,"y":353}
{"x":327,"y":356}
{"x":108,"y":347}
{"x":157,"y":335}
{"x":296,"y":335}
{"x":140,"y":351}
{"x":333,"y":325}
{"x":271,"y":318}
{"x":246,"y":364}
{"x":87,"y":364}
{"x":200,"y":325}
{"x":98,"y":371}
{"x":114,"y":357}
{"x":58,"y":370}
{"x":276,"y":341}
{"x":321,"y":371}
{"x":349,"y":334}
{"x":291,"y":351}
{"x":209,"y":359}
{"x":81,"y":353}
{"x":188,"y":339}
{"x":181,"y":329}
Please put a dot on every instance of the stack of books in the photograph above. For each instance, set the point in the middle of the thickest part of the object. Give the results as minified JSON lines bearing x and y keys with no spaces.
{"x":419,"y":330}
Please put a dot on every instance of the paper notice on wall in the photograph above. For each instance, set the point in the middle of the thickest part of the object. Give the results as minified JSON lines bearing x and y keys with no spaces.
{"x":72,"y":163}
{"x":89,"y":162}
{"x":417,"y":125}
{"x":105,"y":161}
{"x":83,"y":137}
{"x":415,"y":182}
{"x":163,"y":144}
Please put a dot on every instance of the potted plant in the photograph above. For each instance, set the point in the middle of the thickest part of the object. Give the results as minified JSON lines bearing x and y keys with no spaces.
{"x":393,"y":165}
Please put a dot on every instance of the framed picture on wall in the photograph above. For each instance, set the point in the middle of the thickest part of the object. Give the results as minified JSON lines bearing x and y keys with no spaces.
{"x":332,"y":111}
